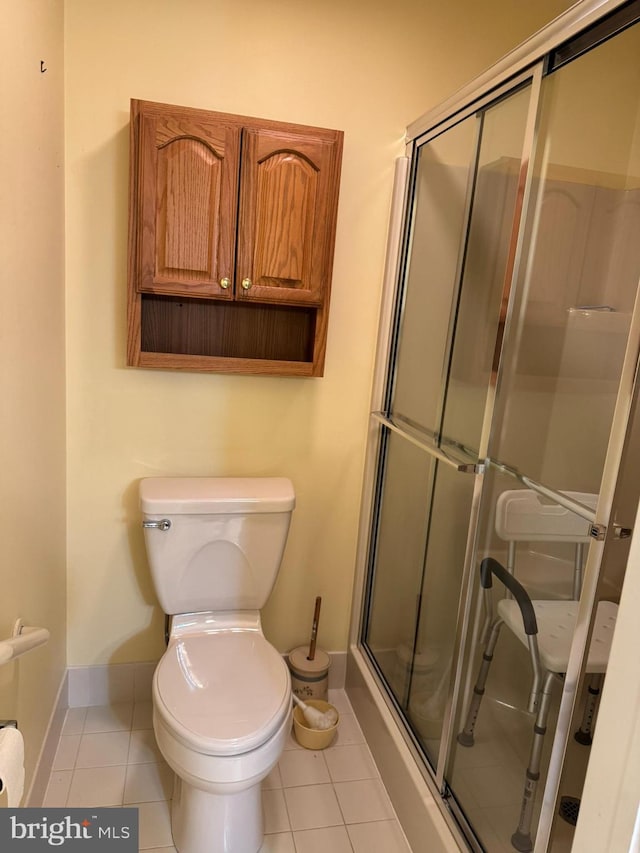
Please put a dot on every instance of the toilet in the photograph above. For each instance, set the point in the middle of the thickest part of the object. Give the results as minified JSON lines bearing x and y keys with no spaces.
{"x":221,"y":692}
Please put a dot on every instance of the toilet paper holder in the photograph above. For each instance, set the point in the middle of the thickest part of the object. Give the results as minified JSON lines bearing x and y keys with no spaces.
{"x":23,"y":639}
{"x":8,"y":724}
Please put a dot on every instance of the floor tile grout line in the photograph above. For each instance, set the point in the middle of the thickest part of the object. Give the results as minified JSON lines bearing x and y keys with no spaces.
{"x":127,"y":764}
{"x":286,"y":808}
{"x":335,"y":794}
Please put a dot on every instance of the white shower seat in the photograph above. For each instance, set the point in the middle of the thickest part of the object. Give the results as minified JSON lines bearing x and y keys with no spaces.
{"x":546,"y":627}
{"x":522,"y":515}
{"x":556,"y":625}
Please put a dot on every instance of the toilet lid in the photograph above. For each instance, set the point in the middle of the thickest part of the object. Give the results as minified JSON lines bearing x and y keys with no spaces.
{"x":223,"y":693}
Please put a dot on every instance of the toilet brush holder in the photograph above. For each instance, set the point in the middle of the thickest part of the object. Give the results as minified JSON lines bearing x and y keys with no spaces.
{"x":309,"y":737}
{"x":309,"y":678}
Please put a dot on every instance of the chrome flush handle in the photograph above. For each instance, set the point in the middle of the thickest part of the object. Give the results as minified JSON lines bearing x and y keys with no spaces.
{"x":163,"y":524}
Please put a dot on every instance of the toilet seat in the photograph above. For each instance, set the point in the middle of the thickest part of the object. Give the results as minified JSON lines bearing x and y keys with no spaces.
{"x":224,"y":692}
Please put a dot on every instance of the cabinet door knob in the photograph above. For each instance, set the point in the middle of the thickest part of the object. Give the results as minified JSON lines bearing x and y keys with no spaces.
{"x":224,"y":283}
{"x":246,"y":283}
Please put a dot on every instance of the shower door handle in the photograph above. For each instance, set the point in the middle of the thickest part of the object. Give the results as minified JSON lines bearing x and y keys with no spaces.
{"x":475,"y":467}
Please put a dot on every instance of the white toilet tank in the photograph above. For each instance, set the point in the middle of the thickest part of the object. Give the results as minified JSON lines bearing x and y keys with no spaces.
{"x":224,"y":543}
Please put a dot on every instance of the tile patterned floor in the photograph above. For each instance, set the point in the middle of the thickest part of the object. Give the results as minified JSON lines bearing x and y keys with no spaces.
{"x":313,"y":801}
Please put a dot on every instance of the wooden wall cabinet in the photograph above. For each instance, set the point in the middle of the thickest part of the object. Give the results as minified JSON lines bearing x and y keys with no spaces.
{"x":231,"y":238}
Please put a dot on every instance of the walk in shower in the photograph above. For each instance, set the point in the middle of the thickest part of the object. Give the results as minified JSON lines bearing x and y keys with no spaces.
{"x":497,"y":513}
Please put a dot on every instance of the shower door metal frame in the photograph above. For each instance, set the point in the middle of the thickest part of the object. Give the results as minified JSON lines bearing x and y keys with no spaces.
{"x":534,"y":76}
{"x":489,"y":87}
{"x":464,"y":462}
{"x":533,"y":50}
{"x":576,"y":19}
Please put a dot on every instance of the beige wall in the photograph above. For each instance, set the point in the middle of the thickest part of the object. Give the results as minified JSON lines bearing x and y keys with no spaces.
{"x":366,"y":68}
{"x":32,"y":437}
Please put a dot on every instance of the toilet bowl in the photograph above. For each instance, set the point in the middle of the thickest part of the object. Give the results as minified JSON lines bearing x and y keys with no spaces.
{"x":221,"y":693}
{"x":221,"y":715}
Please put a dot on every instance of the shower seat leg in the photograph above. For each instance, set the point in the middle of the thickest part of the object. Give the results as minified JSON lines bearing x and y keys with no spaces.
{"x":584,"y":733}
{"x":521,"y":838}
{"x":465,"y":738}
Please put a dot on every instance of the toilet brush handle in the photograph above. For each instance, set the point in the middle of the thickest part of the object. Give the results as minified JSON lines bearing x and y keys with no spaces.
{"x":314,"y":629}
{"x":298,"y":701}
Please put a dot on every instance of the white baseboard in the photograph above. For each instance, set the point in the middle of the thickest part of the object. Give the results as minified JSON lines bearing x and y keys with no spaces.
{"x":337,"y":670}
{"x":83,"y":686}
{"x":110,"y":684}
{"x":40,"y":780}
{"x":131,"y":682}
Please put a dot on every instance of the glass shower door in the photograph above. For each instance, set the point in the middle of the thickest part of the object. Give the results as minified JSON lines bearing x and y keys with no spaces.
{"x":509,"y":387}
{"x":560,"y":411}
{"x":465,"y":191}
{"x":407,"y":470}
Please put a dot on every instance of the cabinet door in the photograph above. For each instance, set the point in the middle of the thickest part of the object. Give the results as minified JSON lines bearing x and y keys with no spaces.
{"x":187,"y":191}
{"x":287,"y":217}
